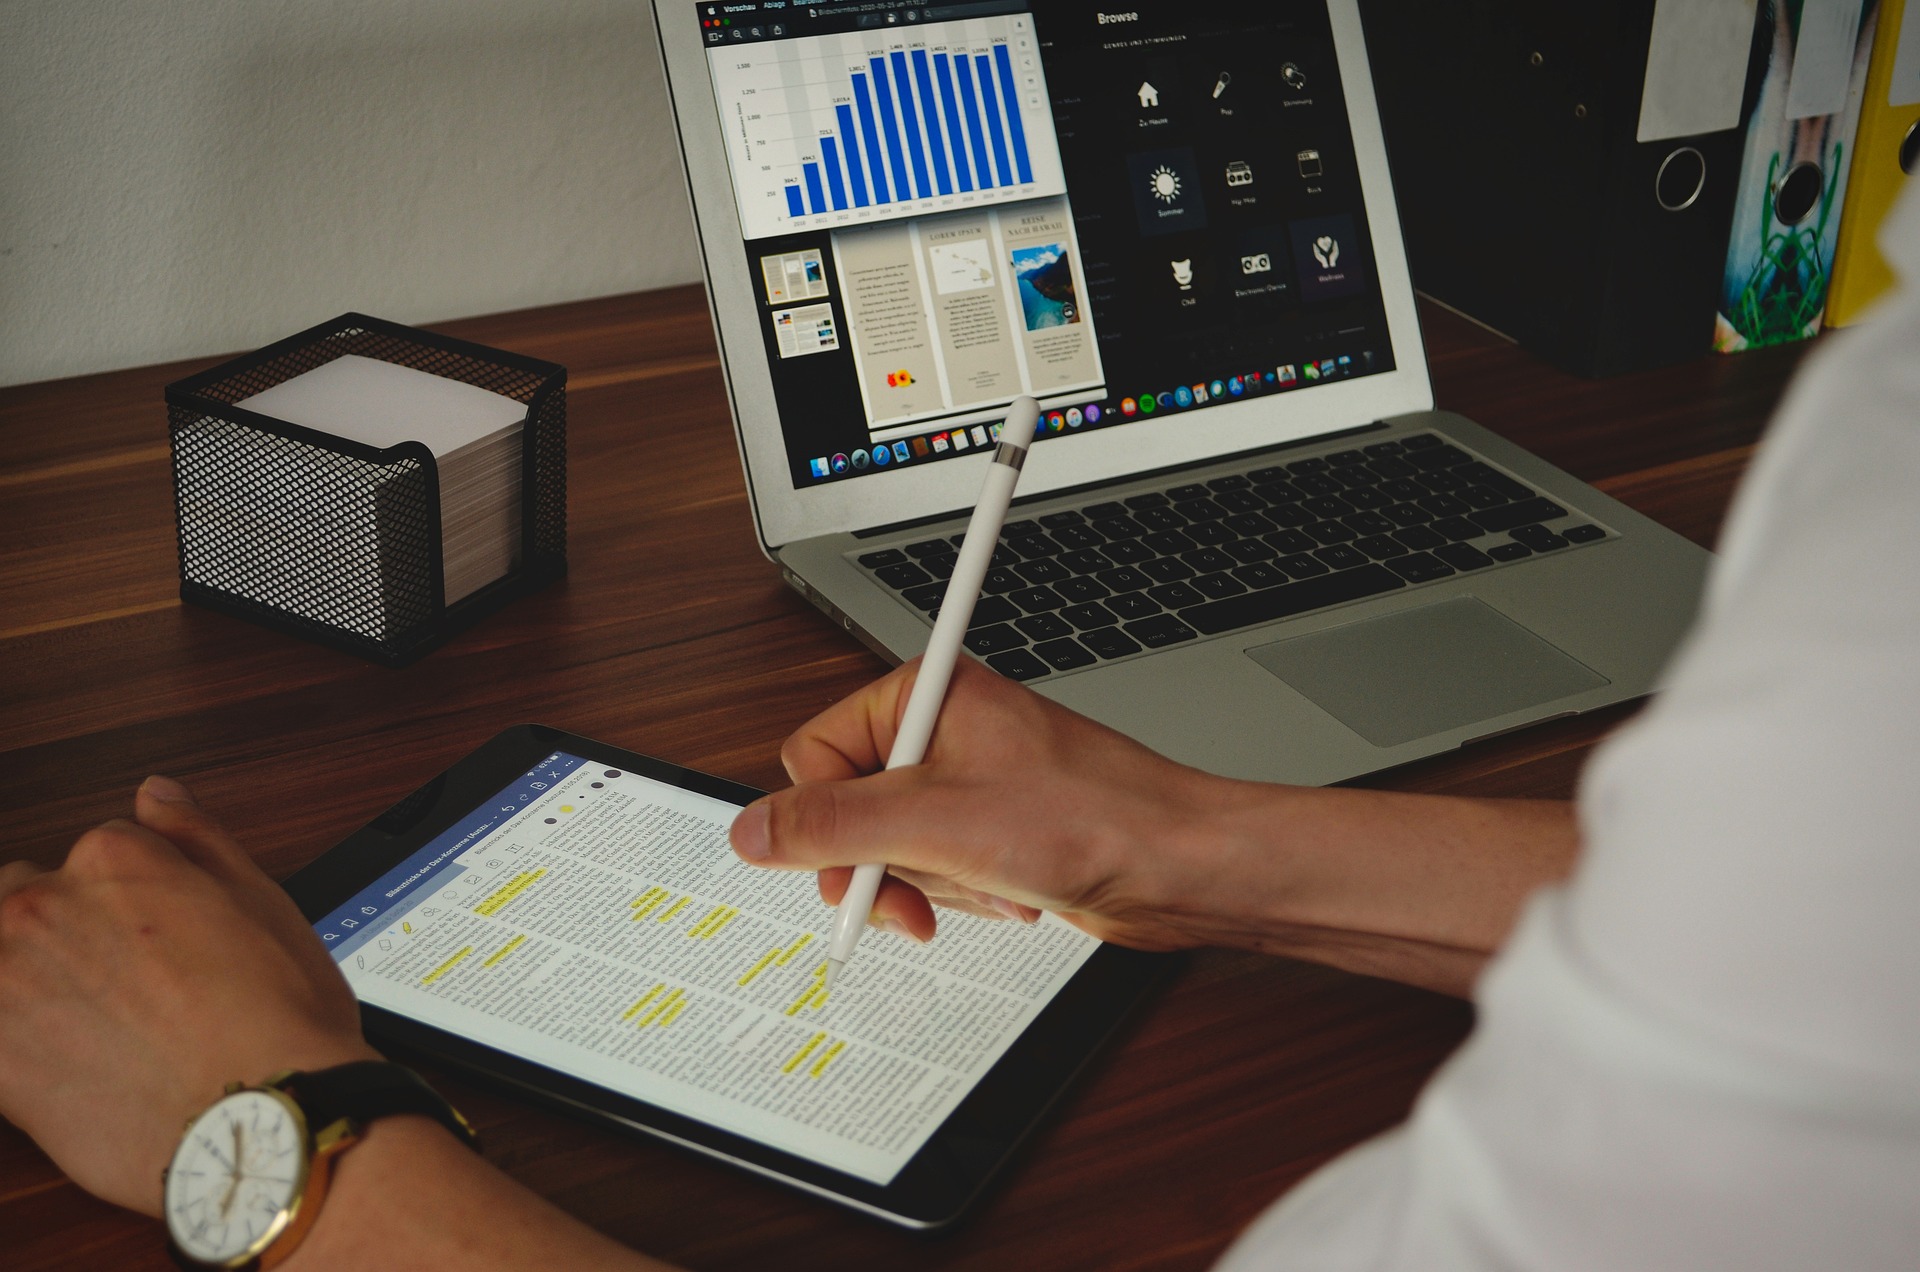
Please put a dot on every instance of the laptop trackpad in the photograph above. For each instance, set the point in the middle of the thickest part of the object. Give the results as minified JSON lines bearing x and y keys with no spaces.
{"x":1425,"y":671}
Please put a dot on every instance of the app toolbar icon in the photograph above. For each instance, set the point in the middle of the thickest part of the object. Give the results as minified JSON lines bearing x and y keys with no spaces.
{"x":1092,"y":414}
{"x":839,"y":463}
{"x":901,"y":453}
{"x":1148,"y":404}
{"x":819,"y":467}
{"x":1183,"y":396}
{"x":882,"y":456}
{"x":1129,"y":407}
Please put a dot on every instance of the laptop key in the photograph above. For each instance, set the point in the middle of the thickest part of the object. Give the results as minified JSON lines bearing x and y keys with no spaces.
{"x":1427,"y":538}
{"x":1000,"y":581}
{"x":1216,"y":586}
{"x":1101,"y":511}
{"x":1091,"y":615}
{"x":1124,"y":578}
{"x":1444,"y":481}
{"x":1346,"y":458}
{"x":1207,"y":560}
{"x":1085,"y":561}
{"x":1487,"y":475}
{"x":1381,"y":449}
{"x":1246,"y":523}
{"x":1247,"y":551}
{"x":1312,"y":484}
{"x":885,"y":556}
{"x":1407,"y":514}
{"x":1301,"y":566}
{"x":1055,"y":520}
{"x":926,"y":596}
{"x":1289,"y":515}
{"x":1582,"y":534}
{"x":1463,"y":556}
{"x":1539,"y":538}
{"x":987,"y":611}
{"x":1200,"y":510}
{"x":1168,"y":542}
{"x":1110,"y":642}
{"x":1314,"y":465}
{"x":1421,"y":441}
{"x":1483,"y":497}
{"x":1034,"y":546}
{"x":1277,"y":492}
{"x":1367,"y":498}
{"x":1380,"y":547}
{"x":1526,"y":512}
{"x":1014,"y":529}
{"x":1151,"y":499}
{"x":1044,"y":626}
{"x":1444,"y":506}
{"x":1073,"y":538}
{"x":1388,"y":468}
{"x":1080,"y":589}
{"x":1127,"y":552}
{"x":1439,"y":457}
{"x":1045,"y":570}
{"x":1365,"y":523}
{"x":1420,"y":567}
{"x":1121,"y":527}
{"x":1509,"y":551}
{"x":1329,"y":506}
{"x":1239,"y":501}
{"x":1209,"y":533}
{"x":927,"y":547}
{"x":1164,"y":629}
{"x":1259,"y":575}
{"x":1331,"y":532}
{"x":1261,"y":476}
{"x":1454,"y":528}
{"x":1175,"y":595}
{"x":1341,"y":556}
{"x":1191,"y":490}
{"x":1159,"y":518}
{"x":1232,"y":481}
{"x":1017,"y":664}
{"x":1065,"y":654}
{"x":991,"y":640}
{"x":1295,"y":598}
{"x":905,"y":574}
{"x":1137,"y":605}
{"x":1288,"y":542}
{"x":941,"y":567}
{"x":1035,"y":600}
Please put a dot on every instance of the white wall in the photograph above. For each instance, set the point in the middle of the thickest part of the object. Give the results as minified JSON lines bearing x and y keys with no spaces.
{"x":187,"y":177}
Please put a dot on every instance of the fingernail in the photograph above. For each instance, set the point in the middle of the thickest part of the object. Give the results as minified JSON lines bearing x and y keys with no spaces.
{"x":1007,"y":908}
{"x":898,"y":928}
{"x":166,"y":790}
{"x":750,"y":837}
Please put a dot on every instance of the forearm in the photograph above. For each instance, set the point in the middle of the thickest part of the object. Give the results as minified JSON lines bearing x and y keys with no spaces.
{"x":410,"y":1196}
{"x":1416,"y":888}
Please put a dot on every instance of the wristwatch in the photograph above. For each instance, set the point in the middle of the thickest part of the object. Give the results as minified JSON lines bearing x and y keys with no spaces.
{"x":250,"y":1174}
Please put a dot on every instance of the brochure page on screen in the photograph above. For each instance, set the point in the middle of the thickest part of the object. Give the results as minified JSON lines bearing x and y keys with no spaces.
{"x":595,"y":921}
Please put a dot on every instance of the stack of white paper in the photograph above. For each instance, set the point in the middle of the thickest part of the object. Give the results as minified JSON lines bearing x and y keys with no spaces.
{"x":475,"y":436}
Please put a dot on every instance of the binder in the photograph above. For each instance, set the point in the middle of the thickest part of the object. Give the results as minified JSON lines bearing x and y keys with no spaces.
{"x":1793,"y":179}
{"x":1566,"y":172}
{"x":1886,"y":152}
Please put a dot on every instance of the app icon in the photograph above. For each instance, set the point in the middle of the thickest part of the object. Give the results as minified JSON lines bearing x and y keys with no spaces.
{"x":1346,"y":365}
{"x":1199,"y":394}
{"x":1093,"y":414}
{"x":1183,"y":396}
{"x":959,"y":439}
{"x":861,"y":460}
{"x":1164,"y":183}
{"x":1258,"y":263}
{"x":1236,"y":386}
{"x":1149,"y":96}
{"x":882,"y":457}
{"x":1166,"y":191}
{"x":1216,"y":389}
{"x":1326,"y":368}
{"x":1288,"y":376}
{"x":1148,"y":404}
{"x":900,"y":452}
{"x":1056,"y":422}
{"x":1183,"y":273}
{"x":1164,"y":399}
{"x":1309,"y":161}
{"x":1326,"y":250}
{"x":1129,"y":407}
{"x":920,"y":447}
{"x":1310,"y":371}
{"x":1293,"y":76}
{"x":819,"y":467}
{"x":980,"y":434}
{"x":1239,"y":173}
{"x":939,"y":443}
{"x":840,"y":463}
{"x":1220,"y":85}
{"x":1074,"y":417}
{"x":1270,"y":377}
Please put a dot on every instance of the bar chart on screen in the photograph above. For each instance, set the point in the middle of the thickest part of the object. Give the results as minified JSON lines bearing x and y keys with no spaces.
{"x":853,"y":128}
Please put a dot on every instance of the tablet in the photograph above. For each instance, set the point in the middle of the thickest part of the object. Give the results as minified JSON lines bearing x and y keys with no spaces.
{"x":568,"y":918}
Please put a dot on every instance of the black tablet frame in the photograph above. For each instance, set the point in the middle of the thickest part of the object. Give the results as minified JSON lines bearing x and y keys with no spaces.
{"x":949,"y":1173}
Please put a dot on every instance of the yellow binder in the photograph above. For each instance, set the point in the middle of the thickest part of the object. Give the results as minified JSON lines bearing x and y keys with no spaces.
{"x":1889,"y":131}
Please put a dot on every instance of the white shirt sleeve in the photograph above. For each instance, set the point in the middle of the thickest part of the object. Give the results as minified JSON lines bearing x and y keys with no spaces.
{"x":1704,"y":1050}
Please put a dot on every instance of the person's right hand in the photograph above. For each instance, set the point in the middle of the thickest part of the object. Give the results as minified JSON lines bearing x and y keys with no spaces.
{"x":1019,"y":806}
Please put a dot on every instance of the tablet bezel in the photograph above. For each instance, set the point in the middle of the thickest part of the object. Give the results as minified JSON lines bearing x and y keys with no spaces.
{"x":936,"y":1186}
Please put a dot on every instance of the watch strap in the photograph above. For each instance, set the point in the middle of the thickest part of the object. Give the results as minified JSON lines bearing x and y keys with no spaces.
{"x":367,"y":1090}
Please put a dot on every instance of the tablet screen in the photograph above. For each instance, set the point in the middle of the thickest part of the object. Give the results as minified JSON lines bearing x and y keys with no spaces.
{"x":595,"y":921}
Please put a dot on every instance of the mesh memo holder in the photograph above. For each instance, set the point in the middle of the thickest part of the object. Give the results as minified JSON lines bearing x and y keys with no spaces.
{"x":335,"y":540}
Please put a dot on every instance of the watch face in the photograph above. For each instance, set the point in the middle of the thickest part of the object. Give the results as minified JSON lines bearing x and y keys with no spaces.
{"x":235,"y":1177}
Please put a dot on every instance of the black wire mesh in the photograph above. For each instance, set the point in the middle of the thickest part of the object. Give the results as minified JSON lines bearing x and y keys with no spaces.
{"x":335,"y":540}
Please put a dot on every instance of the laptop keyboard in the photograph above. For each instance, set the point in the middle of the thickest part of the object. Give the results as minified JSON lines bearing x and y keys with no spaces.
{"x":1111,"y":579}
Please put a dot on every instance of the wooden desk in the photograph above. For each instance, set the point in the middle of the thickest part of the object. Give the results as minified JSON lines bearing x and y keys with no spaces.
{"x":674,"y":636}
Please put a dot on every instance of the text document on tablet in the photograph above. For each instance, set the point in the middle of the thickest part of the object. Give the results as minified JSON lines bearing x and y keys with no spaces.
{"x":597,"y":922}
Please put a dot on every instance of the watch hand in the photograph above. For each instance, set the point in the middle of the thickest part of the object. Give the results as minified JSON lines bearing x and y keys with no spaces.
{"x":233,"y":1184}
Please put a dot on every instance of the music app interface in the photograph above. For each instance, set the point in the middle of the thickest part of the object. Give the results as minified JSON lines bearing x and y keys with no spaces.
{"x":1123,"y":212}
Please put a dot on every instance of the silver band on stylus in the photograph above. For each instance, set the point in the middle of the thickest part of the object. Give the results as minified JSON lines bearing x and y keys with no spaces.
{"x":1012,"y":456}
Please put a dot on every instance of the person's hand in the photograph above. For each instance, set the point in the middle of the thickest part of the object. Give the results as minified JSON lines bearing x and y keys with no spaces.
{"x":1019,"y":806}
{"x":156,"y":965}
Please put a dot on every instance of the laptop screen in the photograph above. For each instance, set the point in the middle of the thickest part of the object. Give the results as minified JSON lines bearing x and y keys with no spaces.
{"x":1126,"y":213}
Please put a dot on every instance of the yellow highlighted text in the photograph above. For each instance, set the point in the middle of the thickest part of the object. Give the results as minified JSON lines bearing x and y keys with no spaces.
{"x":675,"y":908}
{"x":650,"y":996}
{"x":508,"y":891}
{"x":799,"y":1057}
{"x":827,"y":1057}
{"x":795,"y":948}
{"x":760,"y":967}
{"x":505,"y":950}
{"x":446,"y":967}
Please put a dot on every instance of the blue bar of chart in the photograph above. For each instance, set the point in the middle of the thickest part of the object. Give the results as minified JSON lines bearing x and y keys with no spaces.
{"x":856,"y":127}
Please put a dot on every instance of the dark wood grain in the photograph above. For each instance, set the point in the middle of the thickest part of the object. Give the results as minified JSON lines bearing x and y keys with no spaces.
{"x":673,"y":636}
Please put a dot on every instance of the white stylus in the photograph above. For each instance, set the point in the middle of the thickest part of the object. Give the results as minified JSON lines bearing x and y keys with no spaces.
{"x":936,"y":667}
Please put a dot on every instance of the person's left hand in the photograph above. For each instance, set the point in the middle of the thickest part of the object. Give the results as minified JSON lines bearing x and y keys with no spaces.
{"x":156,"y":965}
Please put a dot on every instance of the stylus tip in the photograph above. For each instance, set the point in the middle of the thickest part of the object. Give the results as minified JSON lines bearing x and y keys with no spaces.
{"x":833,"y":969}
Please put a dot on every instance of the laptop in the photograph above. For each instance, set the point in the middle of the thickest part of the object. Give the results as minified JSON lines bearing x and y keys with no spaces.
{"x":1243,"y":536}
